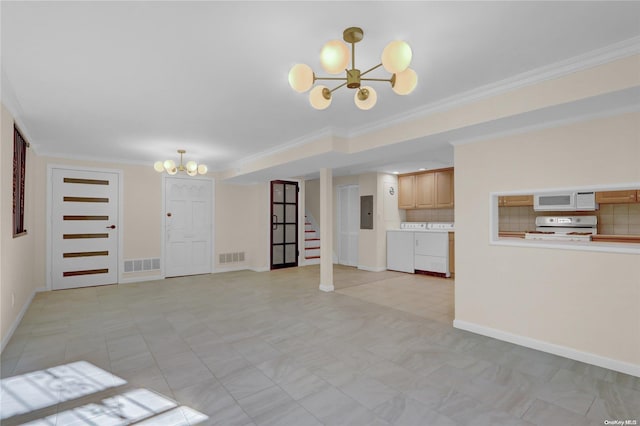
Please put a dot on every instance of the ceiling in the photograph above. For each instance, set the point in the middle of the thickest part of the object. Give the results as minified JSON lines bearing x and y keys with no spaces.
{"x":135,"y":81}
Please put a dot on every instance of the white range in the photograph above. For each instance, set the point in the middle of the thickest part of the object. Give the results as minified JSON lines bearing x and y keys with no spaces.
{"x":420,"y":246}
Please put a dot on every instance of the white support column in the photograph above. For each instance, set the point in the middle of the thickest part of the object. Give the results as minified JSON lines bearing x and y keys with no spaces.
{"x":326,"y":230}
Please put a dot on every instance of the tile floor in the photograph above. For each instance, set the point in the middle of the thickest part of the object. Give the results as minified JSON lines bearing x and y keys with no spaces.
{"x":268,"y":348}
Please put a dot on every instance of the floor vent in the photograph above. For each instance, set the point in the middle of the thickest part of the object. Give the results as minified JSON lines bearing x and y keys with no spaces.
{"x":236,"y":257}
{"x":139,"y":265}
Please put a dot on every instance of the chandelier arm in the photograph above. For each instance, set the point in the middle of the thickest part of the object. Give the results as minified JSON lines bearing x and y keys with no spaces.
{"x":331,"y":78}
{"x":336,"y":88}
{"x":370,"y":69}
{"x":377,"y":79}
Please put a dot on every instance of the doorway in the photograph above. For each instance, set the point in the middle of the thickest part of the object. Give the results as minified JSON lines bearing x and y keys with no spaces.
{"x":348,"y":227}
{"x":284,"y":224}
{"x":85,"y":229}
{"x":187,"y":225}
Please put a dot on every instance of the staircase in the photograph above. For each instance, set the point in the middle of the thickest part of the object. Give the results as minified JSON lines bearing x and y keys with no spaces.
{"x":311,"y":242}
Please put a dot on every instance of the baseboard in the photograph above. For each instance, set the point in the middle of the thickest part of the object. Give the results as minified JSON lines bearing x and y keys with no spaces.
{"x":372,"y":269}
{"x":587,"y":357}
{"x":16,"y":322}
{"x":261,"y":269}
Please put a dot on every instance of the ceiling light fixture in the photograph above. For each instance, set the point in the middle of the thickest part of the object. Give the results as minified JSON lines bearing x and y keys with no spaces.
{"x":334,"y":58}
{"x":191,"y":168}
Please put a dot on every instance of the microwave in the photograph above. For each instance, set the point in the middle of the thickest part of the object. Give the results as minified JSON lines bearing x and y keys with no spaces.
{"x":565,"y":201}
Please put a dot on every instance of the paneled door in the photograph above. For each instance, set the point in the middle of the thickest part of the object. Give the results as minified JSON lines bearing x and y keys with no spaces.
{"x":348,"y":226}
{"x":187,"y":226}
{"x":84,"y":228}
{"x":284,"y":224}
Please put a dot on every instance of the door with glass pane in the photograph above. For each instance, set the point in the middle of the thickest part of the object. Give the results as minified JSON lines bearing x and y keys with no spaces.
{"x":284,"y":224}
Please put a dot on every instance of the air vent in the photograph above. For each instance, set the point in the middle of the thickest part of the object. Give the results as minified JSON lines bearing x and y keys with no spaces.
{"x":139,"y":265}
{"x":235,"y":257}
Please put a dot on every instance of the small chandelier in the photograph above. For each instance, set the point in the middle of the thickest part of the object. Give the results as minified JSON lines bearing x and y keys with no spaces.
{"x":191,"y":168}
{"x":334,"y":58}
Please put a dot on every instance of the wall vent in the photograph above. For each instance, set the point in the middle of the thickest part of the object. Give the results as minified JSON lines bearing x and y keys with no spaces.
{"x":139,"y":265}
{"x":236,"y":257}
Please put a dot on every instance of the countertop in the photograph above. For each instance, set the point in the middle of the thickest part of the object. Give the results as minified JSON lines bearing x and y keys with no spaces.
{"x":425,"y":230}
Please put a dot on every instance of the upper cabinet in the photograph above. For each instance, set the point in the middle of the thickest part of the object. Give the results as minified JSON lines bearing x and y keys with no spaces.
{"x":515,"y":200}
{"x":616,"y":197}
{"x":407,"y":191}
{"x":444,"y":189}
{"x":426,"y":190}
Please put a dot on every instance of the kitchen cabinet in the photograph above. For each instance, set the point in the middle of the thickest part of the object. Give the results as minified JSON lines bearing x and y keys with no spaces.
{"x":444,"y":189}
{"x":426,"y":190}
{"x":515,"y":200}
{"x":617,"y":197}
{"x":406,"y":191}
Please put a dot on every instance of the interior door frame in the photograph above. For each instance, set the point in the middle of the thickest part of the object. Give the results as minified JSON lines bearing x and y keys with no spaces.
{"x":299,"y":219}
{"x":163,"y":224}
{"x":49,"y":225}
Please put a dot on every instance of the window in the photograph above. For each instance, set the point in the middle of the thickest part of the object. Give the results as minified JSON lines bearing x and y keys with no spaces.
{"x":19,"y":164}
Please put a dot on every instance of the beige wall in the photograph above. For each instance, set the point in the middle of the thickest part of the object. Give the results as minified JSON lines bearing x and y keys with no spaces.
{"x":242,"y":224}
{"x":584,"y":301}
{"x":18,"y":277}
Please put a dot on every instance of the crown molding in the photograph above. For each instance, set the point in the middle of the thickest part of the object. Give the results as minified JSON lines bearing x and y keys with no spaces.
{"x":571,"y":65}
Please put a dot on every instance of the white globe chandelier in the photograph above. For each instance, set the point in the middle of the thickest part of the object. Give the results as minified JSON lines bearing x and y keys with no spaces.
{"x":191,"y":168}
{"x":334,"y":58}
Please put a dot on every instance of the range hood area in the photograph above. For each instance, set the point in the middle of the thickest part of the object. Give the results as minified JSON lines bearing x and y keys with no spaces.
{"x":565,"y":201}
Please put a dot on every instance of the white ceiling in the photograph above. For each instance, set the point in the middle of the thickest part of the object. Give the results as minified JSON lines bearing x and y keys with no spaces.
{"x":134,"y":81}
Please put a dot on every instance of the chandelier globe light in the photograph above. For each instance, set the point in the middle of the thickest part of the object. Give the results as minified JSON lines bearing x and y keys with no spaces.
{"x":334,"y":58}
{"x":191,"y":168}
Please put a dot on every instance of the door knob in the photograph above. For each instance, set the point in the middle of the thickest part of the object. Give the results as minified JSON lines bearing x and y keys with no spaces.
{"x":168,"y":214}
{"x":111,"y":227}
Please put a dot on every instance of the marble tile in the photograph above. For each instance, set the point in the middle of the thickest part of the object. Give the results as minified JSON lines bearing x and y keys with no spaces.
{"x":368,"y":391}
{"x":333,"y":407}
{"x":544,"y":413}
{"x":405,"y":411}
{"x":269,"y":348}
{"x":211,"y":398}
{"x":246,"y":382}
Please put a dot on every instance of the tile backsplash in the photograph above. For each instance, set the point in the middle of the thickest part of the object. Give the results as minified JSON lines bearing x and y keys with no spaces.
{"x":430,"y":215}
{"x":613,"y":219}
{"x":619,"y":219}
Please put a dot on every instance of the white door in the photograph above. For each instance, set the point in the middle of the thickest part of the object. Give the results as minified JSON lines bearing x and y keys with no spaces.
{"x":348,"y":224}
{"x":84,"y":228}
{"x":187,"y":226}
